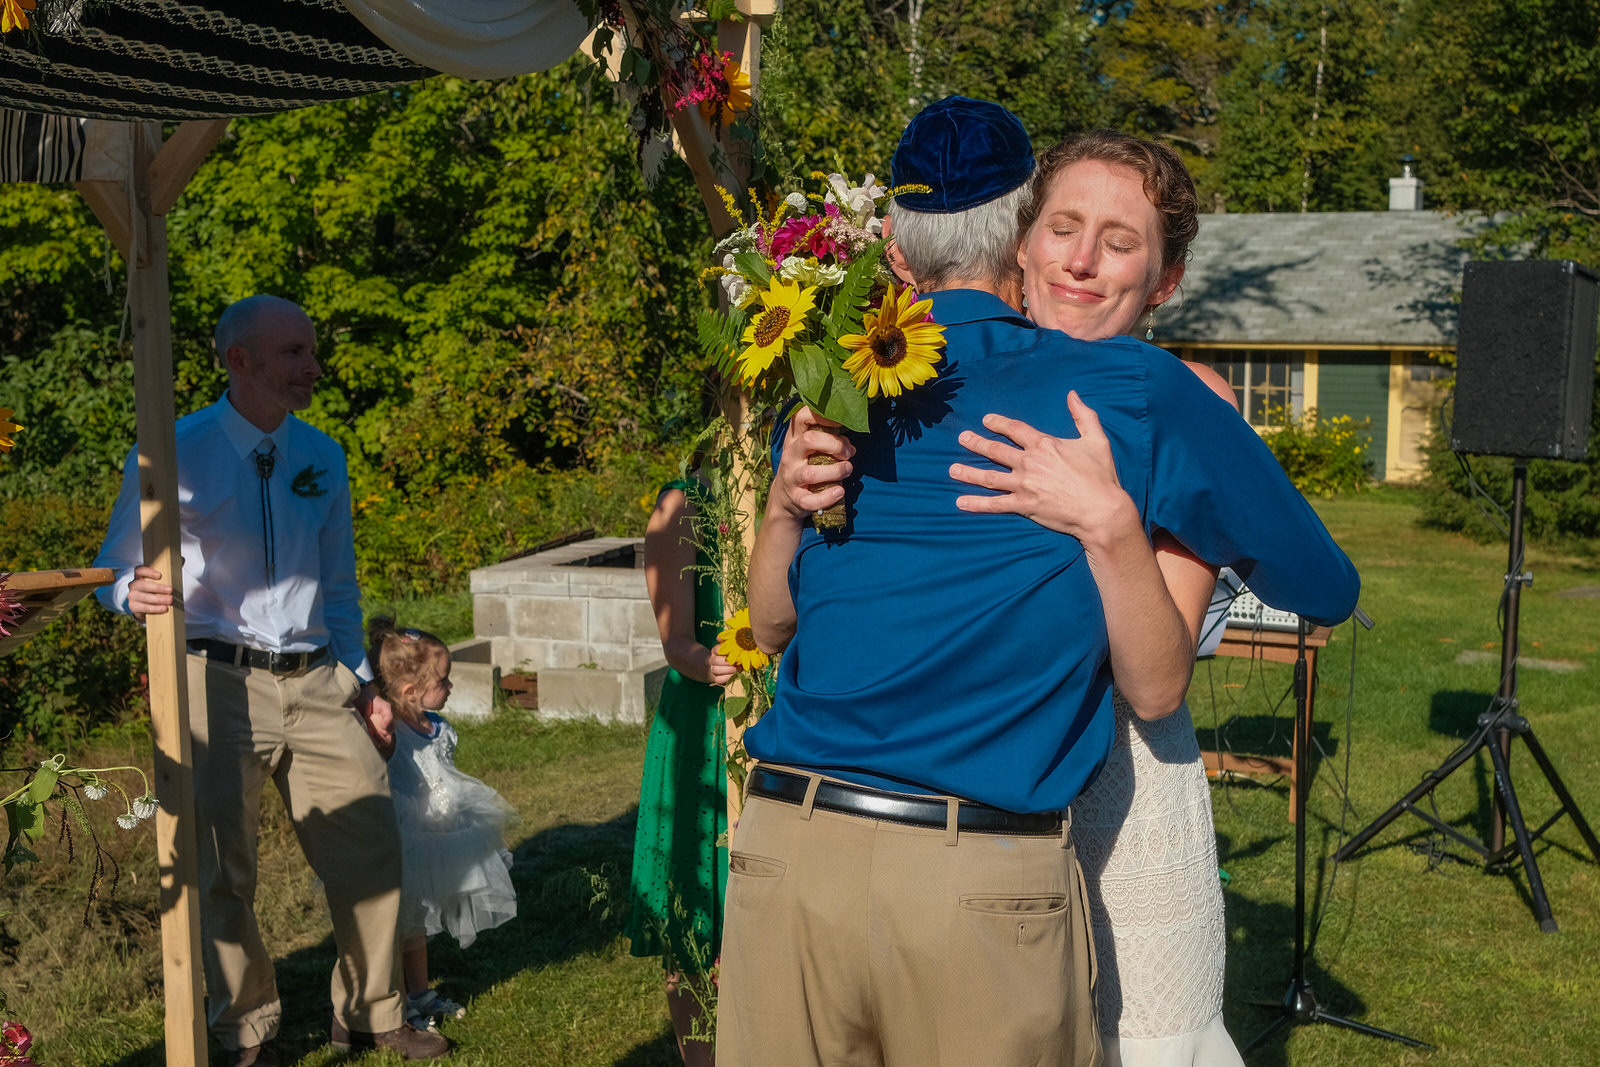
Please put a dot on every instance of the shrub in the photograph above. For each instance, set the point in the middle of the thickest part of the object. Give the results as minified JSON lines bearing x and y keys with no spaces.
{"x":86,"y":670}
{"x":428,"y":542}
{"x":1562,"y":500}
{"x":1323,"y":457}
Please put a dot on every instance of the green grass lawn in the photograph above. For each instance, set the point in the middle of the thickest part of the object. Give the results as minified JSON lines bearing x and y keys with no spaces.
{"x":1415,"y":937}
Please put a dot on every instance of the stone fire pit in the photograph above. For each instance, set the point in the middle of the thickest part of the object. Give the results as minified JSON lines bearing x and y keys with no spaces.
{"x":579,"y":617}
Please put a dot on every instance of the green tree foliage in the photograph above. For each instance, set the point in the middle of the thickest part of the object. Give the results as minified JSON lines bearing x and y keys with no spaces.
{"x":1303,"y":124}
{"x":1501,"y":102}
{"x":1165,"y":63}
{"x":840,"y":80}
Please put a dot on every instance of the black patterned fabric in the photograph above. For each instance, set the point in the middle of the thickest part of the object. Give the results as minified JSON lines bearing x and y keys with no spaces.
{"x":168,"y":60}
{"x":40,"y":148}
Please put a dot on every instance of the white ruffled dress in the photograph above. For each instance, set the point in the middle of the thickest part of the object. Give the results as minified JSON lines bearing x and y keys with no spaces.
{"x":456,"y":868}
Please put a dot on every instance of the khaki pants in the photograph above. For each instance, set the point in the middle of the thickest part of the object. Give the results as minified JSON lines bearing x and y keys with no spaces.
{"x":249,"y":726}
{"x":852,"y":942}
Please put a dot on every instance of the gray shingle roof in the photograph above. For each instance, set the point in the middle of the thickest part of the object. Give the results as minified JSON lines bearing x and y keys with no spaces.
{"x":1378,"y":278}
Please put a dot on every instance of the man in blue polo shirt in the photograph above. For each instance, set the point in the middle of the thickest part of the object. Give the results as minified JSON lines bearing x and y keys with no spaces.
{"x":902,"y":889}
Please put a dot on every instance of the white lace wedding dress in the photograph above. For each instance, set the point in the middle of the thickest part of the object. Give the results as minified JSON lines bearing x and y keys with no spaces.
{"x":1148,"y":848}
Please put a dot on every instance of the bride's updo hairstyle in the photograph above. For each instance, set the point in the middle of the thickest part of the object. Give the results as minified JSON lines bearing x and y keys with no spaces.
{"x":401,"y":656}
{"x":1167,"y":184}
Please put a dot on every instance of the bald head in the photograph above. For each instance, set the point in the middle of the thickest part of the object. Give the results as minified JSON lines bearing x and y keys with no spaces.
{"x":269,"y":348}
{"x":244,"y":321}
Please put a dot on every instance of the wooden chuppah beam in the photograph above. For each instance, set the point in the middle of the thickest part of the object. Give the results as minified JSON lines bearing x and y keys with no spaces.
{"x":134,"y":214}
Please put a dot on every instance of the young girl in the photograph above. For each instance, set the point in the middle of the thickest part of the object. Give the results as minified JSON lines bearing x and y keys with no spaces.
{"x":455,"y":863}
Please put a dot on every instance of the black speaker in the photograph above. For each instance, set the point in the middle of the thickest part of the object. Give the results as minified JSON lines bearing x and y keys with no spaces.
{"x":1525,"y":355}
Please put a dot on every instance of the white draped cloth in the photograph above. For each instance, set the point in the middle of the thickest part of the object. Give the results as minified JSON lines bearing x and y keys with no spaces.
{"x":476,"y":38}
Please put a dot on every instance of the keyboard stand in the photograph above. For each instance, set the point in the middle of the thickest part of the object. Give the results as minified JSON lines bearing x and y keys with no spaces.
{"x":1273,"y":646}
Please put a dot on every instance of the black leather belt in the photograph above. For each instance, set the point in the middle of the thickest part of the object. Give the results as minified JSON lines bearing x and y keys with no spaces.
{"x":241,"y":656}
{"x":932,"y":812}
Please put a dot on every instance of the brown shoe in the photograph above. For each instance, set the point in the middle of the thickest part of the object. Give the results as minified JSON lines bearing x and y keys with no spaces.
{"x":262,"y":1055}
{"x":411,"y":1043}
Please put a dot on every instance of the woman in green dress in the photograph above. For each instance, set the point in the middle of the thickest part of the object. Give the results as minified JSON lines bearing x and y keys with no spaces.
{"x":679,"y":872}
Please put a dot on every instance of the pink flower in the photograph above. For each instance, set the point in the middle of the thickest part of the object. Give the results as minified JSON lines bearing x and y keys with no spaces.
{"x":805,"y":235}
{"x":15,"y":1041}
{"x":10,"y":611}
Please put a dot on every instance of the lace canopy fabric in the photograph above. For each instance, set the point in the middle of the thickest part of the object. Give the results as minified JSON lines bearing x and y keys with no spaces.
{"x":172,"y":60}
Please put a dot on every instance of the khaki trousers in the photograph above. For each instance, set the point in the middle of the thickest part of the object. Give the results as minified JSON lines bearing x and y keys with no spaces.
{"x":852,"y":942}
{"x":250,"y":726}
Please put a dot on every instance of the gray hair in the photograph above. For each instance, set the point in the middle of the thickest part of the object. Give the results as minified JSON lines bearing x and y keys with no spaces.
{"x":979,"y":244}
{"x":238,"y":322}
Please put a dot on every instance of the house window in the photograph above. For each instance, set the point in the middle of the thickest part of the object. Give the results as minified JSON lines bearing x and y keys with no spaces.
{"x":1267,"y":385}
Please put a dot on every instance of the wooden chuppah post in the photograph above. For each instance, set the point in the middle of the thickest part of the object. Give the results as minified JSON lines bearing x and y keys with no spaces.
{"x":133,"y":212}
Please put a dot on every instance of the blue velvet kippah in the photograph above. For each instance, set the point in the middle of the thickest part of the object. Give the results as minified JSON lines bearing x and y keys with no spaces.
{"x":967,"y":151}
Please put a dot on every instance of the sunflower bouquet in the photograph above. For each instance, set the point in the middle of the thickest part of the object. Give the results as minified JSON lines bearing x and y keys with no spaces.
{"x":811,"y":310}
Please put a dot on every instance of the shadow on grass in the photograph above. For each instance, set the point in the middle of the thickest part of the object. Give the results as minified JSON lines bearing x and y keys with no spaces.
{"x":1261,"y":971}
{"x":662,"y":1051}
{"x":562,"y":913}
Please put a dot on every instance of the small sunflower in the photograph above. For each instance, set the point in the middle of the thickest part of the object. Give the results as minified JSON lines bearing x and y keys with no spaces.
{"x":899,"y":348}
{"x":7,"y":428}
{"x":738,"y":644}
{"x":738,"y":99}
{"x":785,"y":306}
{"x":14,"y":16}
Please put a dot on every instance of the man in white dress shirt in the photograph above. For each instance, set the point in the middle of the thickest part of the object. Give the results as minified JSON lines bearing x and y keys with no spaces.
{"x":275,"y":664}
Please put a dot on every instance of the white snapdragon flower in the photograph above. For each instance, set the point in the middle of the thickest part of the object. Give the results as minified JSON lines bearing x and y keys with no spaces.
{"x":860,"y":201}
{"x":737,"y":286}
{"x":807,"y":271}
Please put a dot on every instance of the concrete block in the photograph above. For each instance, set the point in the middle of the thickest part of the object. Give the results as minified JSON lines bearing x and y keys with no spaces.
{"x":549,"y":619}
{"x":526,"y":654}
{"x":580,"y":694}
{"x":491,"y":615}
{"x":608,"y":583}
{"x":472,"y":650}
{"x":474,"y":681}
{"x":610,"y":657}
{"x":641,"y":692}
{"x":542,"y":583}
{"x":644,"y":653}
{"x":621,"y":622}
{"x":642,"y":628}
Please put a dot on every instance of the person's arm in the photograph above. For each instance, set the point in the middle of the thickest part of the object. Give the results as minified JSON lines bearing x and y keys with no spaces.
{"x":669,"y":555}
{"x":138,"y":590}
{"x":1220,"y":491}
{"x":341,"y":596}
{"x":799,"y":490}
{"x":1070,"y":485}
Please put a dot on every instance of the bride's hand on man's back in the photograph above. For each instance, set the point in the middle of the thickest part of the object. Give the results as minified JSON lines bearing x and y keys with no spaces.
{"x":1065,"y":484}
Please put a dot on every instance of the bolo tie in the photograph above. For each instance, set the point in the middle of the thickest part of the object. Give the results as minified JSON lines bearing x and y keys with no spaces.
{"x":265,"y":461}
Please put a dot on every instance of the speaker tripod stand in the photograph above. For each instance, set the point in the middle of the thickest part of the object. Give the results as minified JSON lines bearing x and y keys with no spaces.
{"x":1299,"y":1004}
{"x":1496,"y":728}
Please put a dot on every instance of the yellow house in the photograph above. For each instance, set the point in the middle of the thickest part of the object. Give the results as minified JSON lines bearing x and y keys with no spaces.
{"x":1346,"y":313}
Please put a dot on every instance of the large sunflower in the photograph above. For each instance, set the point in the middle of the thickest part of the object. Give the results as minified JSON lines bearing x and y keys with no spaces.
{"x":899,"y":348}
{"x":785,"y":306}
{"x":738,"y":644}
